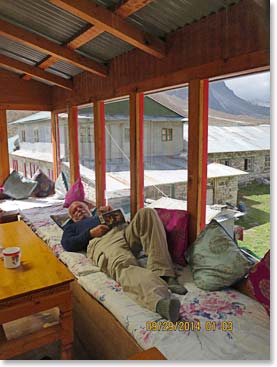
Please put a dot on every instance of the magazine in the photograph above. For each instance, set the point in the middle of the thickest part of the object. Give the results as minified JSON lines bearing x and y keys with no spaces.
{"x":113,"y":218}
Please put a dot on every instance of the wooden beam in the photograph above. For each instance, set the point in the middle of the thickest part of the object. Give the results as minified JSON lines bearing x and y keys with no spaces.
{"x":136,"y":151}
{"x":129,"y":7}
{"x":44,"y":45}
{"x":218,"y":57}
{"x":125,"y":9}
{"x":54,"y":144}
{"x":4,"y":150}
{"x":197,"y":156}
{"x":73,"y":144}
{"x":44,"y":64}
{"x":36,"y":72}
{"x":100,"y":152}
{"x":113,"y":24}
{"x":84,"y":37}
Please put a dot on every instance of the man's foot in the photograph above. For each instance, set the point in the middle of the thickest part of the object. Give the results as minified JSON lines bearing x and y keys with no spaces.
{"x":169,"y":308}
{"x":175,"y":287}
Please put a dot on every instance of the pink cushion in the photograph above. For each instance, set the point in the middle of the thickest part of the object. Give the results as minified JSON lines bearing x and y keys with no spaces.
{"x":75,"y":193}
{"x":176,"y":227}
{"x":258,"y":281}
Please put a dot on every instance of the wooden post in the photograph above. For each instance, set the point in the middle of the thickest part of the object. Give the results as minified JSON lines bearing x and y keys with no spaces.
{"x":136,"y":151}
{"x":59,"y":163}
{"x":54,"y":144}
{"x":197,"y":156}
{"x":73,"y":143}
{"x":100,"y":152}
{"x":4,"y":150}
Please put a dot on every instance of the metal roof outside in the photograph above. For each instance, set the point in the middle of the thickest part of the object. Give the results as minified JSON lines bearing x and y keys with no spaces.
{"x":236,"y":138}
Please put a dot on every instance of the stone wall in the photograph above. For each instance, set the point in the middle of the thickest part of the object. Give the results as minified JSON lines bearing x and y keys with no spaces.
{"x":226,"y":190}
{"x":222,"y":190}
{"x":259,"y":163}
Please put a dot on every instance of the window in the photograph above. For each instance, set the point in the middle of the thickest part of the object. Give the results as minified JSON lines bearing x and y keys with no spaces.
{"x":82,"y":135}
{"x":167,"y":134}
{"x":126,"y":134}
{"x":249,"y":164}
{"x":226,"y":162}
{"x":36,"y":136}
{"x":267,"y":162}
{"x":23,"y":135}
{"x":90,"y":135}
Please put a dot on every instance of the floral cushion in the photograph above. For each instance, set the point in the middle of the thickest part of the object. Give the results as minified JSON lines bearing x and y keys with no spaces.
{"x":215,"y":259}
{"x":258,"y":282}
{"x":75,"y":193}
{"x":45,"y":186}
{"x":176,"y":227}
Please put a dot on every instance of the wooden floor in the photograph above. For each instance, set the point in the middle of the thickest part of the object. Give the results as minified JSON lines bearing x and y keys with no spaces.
{"x":27,"y":325}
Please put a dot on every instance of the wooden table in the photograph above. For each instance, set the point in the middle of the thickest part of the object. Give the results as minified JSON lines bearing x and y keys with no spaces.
{"x":149,"y":354}
{"x":40,"y":283}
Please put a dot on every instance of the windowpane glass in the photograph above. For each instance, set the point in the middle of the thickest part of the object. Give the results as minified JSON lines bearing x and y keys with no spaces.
{"x":165,"y":147}
{"x":117,"y":128}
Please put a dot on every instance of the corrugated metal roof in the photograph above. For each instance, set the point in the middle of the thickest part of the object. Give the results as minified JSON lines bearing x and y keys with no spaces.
{"x":236,"y":138}
{"x":158,"y":18}
{"x":63,"y":68}
{"x":105,"y":47}
{"x":163,"y":16}
{"x":121,"y":180}
{"x":42,"y":17}
{"x":19,"y":51}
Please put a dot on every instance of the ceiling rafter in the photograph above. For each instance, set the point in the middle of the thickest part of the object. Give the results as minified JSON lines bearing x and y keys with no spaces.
{"x":112,"y":23}
{"x":124,"y":9}
{"x":35,"y":72}
{"x":42,"y":44}
{"x":128,"y":7}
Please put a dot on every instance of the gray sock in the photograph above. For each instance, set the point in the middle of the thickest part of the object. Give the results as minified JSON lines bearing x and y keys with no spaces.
{"x":175,"y":287}
{"x":169,"y":308}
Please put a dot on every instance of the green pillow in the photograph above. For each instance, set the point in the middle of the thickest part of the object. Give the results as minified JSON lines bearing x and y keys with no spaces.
{"x":215,"y":259}
{"x":18,"y":187}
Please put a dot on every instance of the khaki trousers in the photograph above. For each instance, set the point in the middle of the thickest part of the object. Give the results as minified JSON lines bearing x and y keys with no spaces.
{"x":114,"y":254}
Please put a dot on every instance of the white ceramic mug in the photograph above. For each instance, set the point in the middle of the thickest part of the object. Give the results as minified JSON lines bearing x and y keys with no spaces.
{"x":12,"y":256}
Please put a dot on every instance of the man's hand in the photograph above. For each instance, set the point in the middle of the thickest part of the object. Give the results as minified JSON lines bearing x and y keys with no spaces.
{"x":99,"y":231}
{"x":104,"y":209}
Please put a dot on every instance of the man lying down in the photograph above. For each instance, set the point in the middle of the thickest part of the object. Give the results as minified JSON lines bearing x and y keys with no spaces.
{"x":115,"y":250}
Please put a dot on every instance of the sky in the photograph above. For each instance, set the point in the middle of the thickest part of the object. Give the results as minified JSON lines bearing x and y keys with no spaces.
{"x":255,"y":87}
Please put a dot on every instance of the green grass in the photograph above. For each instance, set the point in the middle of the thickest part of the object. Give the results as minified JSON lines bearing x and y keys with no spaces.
{"x":256,"y":221}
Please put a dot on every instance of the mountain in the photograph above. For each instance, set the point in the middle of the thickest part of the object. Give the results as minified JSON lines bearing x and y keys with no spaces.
{"x":223,"y":99}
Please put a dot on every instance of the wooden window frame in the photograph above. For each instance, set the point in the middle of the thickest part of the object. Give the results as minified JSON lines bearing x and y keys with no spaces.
{"x":36,"y":135}
{"x":267,"y":162}
{"x":167,"y":134}
{"x":249,"y":164}
{"x":23,"y":135}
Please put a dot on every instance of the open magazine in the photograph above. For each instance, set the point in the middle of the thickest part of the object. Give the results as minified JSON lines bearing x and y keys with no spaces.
{"x":113,"y":218}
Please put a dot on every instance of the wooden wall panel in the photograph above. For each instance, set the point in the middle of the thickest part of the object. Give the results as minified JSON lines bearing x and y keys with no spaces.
{"x":229,"y":42}
{"x":20,"y":94}
{"x":4,"y":152}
